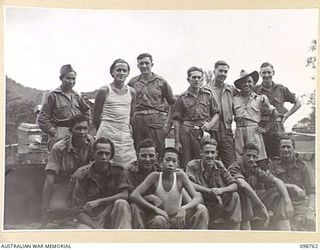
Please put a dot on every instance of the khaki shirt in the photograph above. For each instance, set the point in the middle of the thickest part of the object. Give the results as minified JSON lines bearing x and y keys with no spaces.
{"x":254,"y":176}
{"x":193,"y":108}
{"x":225,"y":103}
{"x":252,"y":109}
{"x":88,"y":185}
{"x":152,"y":94}
{"x":297,"y":173}
{"x":64,"y":159}
{"x":277,"y":96}
{"x":59,"y":109}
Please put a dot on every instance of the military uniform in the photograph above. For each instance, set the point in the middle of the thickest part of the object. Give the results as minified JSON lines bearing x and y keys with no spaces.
{"x":247,"y":116}
{"x":222,"y":132}
{"x":277,"y":96}
{"x":192,"y":111}
{"x":87,"y":186}
{"x":150,"y":106}
{"x":299,"y":174}
{"x":218,"y":177}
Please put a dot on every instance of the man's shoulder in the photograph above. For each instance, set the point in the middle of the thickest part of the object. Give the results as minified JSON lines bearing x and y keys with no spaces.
{"x":206,"y":90}
{"x":236,"y":164}
{"x":133,"y":80}
{"x":195,"y":163}
{"x":156,"y":76}
{"x":82,"y":172}
{"x":62,"y":144}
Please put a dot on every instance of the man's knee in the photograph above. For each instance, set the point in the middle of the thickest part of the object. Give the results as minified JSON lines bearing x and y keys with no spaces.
{"x":121,"y":204}
{"x":159,"y":222}
{"x":202,"y":210}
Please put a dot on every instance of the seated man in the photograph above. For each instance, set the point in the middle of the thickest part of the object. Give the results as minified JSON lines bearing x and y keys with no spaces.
{"x":216,"y":185}
{"x":65,"y":158}
{"x":137,"y":173}
{"x":274,"y":197}
{"x":168,"y":187}
{"x":101,"y":189}
{"x":300,"y":183}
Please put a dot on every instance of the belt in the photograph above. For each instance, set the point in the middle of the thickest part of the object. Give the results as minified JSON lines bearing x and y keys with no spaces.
{"x":246,"y":123}
{"x":147,"y":112}
{"x":267,"y":118}
{"x":193,"y":124}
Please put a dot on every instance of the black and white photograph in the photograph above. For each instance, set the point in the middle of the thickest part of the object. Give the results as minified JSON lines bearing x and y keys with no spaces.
{"x":160,"y":120}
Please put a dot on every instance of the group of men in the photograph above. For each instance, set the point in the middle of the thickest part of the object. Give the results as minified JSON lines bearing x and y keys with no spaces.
{"x":209,"y":179}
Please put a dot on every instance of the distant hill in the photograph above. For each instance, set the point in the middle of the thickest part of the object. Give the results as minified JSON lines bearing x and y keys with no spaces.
{"x":20,"y":104}
{"x":22,"y":93}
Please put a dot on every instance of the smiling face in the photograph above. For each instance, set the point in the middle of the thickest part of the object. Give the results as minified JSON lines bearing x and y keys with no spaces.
{"x":68,"y":81}
{"x":208,"y":154}
{"x":147,"y":157}
{"x":195,"y":79}
{"x":120,"y":72}
{"x":102,"y":156}
{"x":145,"y":65}
{"x":267,"y":73}
{"x":170,"y":162}
{"x":247,"y":84}
{"x":220,"y":73}
{"x":80,"y":130}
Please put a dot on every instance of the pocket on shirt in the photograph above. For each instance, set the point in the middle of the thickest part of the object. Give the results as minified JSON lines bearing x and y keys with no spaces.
{"x":256,"y":110}
{"x":204,"y":107}
{"x":62,"y":112}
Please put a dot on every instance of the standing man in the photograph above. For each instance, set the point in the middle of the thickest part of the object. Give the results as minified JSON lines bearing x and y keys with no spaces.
{"x":216,"y":185}
{"x":247,"y":108}
{"x":300,"y":183}
{"x":61,"y":106}
{"x":277,"y":95}
{"x":151,"y":92}
{"x":194,"y":110}
{"x":65,"y":158}
{"x":223,"y":94}
{"x":101,"y":190}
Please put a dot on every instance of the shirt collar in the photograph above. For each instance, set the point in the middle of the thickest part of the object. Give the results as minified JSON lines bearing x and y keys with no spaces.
{"x":59,"y":90}
{"x":268,"y":89}
{"x":214,"y":167}
{"x":70,"y":147}
{"x":153,"y":76}
{"x":224,"y":86}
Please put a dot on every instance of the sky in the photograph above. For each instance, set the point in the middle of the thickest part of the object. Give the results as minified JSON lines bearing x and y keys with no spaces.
{"x":39,"y":41}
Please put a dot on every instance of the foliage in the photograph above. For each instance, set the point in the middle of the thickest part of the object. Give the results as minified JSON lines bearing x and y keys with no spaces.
{"x":20,"y":104}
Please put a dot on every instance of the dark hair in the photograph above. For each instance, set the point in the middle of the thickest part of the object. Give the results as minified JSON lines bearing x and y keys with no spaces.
{"x":288,"y":137}
{"x":114,"y":64}
{"x":208,"y":141}
{"x":266,"y":64}
{"x":170,"y":150}
{"x":103,"y":140}
{"x":251,"y":146}
{"x":146,"y":143}
{"x":194,"y":68}
{"x":144,"y":55}
{"x":77,"y":119}
{"x":221,"y":62}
